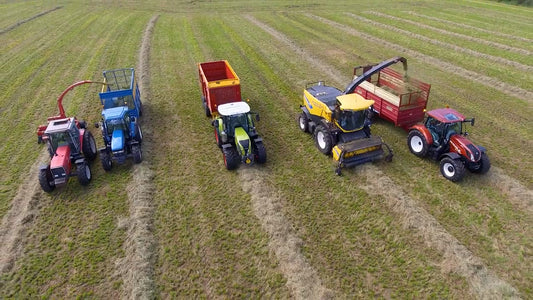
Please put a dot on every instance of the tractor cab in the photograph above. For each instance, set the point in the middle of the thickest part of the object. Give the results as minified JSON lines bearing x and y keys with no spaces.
{"x":63,"y":133}
{"x":443,"y":124}
{"x":235,"y":115}
{"x":116,"y":123}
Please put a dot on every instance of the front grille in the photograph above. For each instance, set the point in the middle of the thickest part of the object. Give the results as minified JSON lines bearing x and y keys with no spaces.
{"x":58,"y":172}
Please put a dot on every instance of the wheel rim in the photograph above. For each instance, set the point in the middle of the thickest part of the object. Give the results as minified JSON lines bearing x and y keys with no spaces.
{"x":302,"y":123}
{"x":87,"y":172}
{"x":93,"y":145}
{"x":320,"y":140}
{"x":448,"y":169}
{"x":416,"y":144}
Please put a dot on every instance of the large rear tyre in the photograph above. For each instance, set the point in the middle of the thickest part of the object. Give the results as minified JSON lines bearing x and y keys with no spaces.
{"x":107,"y":163}
{"x":217,"y":138}
{"x":303,"y":123}
{"x":137,"y":154}
{"x":139,"y":134}
{"x":417,"y":143}
{"x":84,"y":173}
{"x":481,"y":167}
{"x":231,"y":158}
{"x":89,"y":146}
{"x":46,"y":181}
{"x":140,"y":108}
{"x":260,"y":153}
{"x":452,"y":169}
{"x":323,"y":140}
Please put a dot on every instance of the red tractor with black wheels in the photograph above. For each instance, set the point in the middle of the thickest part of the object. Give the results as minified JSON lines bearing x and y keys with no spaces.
{"x":441,"y":137}
{"x":71,"y":147}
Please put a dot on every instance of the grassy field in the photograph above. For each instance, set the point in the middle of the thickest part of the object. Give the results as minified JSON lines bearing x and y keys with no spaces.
{"x":289,"y":228}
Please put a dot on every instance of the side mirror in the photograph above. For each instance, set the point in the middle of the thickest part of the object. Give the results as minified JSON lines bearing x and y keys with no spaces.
{"x":133,"y":119}
{"x":96,"y":125}
{"x":472,"y":121}
{"x":215,"y":123}
{"x":257,"y":118}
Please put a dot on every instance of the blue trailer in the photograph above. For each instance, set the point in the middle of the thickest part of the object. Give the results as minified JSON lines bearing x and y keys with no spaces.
{"x":121,"y":109}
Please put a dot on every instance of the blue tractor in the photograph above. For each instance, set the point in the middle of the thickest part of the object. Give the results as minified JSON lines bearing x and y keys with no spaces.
{"x":122,"y":107}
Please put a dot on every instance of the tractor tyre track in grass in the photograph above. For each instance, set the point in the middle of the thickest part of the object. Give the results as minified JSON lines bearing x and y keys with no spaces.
{"x":302,"y":280}
{"x":459,"y":35}
{"x":457,"y":258}
{"x":496,"y":33}
{"x":518,"y":195}
{"x":490,"y":82}
{"x":22,"y":212}
{"x":137,"y":267}
{"x":7,"y":29}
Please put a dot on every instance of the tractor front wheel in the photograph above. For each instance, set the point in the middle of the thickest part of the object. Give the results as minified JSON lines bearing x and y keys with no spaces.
{"x":84,"y":173}
{"x":107,"y":163}
{"x":303,"y":123}
{"x":137,"y":154}
{"x":46,"y":181}
{"x":417,"y":143}
{"x":480,"y":167}
{"x":260,"y":153}
{"x":323,"y":140}
{"x":452,"y":169}
{"x":231,"y":158}
{"x":89,"y":146}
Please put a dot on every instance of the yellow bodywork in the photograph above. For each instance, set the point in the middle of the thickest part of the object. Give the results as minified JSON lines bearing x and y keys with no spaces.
{"x":316,"y":107}
{"x":354,"y":102}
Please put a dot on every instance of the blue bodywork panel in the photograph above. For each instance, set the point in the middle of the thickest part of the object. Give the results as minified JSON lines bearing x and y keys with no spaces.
{"x":117,"y":140}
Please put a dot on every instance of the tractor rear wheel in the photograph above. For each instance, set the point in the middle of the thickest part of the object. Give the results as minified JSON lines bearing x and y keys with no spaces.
{"x":480,"y":167}
{"x":137,"y":153}
{"x":217,"y":138}
{"x":417,"y":143}
{"x":260,"y":153}
{"x":452,"y":169}
{"x":303,"y":123}
{"x":139,"y":134}
{"x":89,"y":146}
{"x":46,"y":181}
{"x":107,"y":163}
{"x":84,"y":173}
{"x":231,"y":158}
{"x":140,"y":108}
{"x":323,"y":140}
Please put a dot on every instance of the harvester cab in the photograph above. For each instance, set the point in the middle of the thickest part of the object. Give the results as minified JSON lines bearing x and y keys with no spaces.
{"x":442,"y":138}
{"x":121,"y":109}
{"x":340,"y":123}
{"x":235,"y":133}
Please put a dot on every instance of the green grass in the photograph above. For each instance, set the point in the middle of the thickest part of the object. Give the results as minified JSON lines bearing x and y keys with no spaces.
{"x":209,"y":242}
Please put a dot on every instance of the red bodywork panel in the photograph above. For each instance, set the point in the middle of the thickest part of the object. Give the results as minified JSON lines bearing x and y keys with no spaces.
{"x":61,"y":158}
{"x":425,"y":132}
{"x":446,"y":115}
{"x":464,"y":147}
{"x":219,"y":84}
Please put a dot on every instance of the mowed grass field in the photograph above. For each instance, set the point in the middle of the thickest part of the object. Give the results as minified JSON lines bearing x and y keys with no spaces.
{"x":289,"y":228}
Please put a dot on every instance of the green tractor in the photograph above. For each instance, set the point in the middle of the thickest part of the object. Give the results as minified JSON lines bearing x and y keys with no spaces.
{"x":236,"y":136}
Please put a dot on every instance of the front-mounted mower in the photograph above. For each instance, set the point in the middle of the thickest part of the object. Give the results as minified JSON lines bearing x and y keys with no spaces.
{"x":71,"y":147}
{"x":442,"y":138}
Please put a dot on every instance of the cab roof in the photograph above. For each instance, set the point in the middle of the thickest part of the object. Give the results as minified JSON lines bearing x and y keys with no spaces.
{"x":114,"y":113}
{"x":233,"y":108}
{"x":446,"y":115}
{"x":354,"y":102}
{"x":60,"y":125}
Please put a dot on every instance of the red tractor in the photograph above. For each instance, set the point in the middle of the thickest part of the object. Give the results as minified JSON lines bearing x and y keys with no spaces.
{"x":441,"y":137}
{"x":70,"y":145}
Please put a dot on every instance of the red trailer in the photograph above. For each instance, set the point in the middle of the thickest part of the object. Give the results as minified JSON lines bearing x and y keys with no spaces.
{"x":399,"y":99}
{"x":219,"y":85}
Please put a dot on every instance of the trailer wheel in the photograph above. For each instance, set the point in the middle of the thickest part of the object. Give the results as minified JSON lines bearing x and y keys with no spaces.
{"x":303,"y":123}
{"x":480,"y":167}
{"x":417,"y":143}
{"x":46,"y":181}
{"x":107,"y":163}
{"x":323,"y":140}
{"x":89,"y":146}
{"x":84,"y":173}
{"x":231,"y":158}
{"x":452,"y":169}
{"x":260,"y":153}
{"x":137,"y":154}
